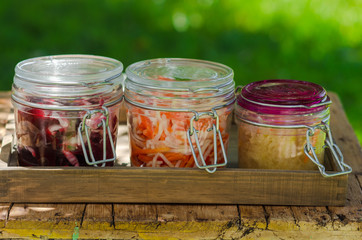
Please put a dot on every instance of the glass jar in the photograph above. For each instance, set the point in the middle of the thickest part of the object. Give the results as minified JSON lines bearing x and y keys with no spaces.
{"x":66,"y":110}
{"x":179,"y":111}
{"x":282,"y":124}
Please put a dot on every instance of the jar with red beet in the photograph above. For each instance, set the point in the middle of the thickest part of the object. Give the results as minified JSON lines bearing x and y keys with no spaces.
{"x":284,"y":124}
{"x":66,"y":110}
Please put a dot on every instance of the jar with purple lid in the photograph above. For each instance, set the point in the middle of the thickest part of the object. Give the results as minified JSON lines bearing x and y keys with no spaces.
{"x":284,"y":124}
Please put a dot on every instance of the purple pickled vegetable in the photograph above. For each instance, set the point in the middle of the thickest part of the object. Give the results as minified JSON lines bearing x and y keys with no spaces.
{"x":50,"y":138}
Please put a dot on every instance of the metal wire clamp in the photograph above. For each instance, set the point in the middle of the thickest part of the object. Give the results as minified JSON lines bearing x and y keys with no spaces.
{"x":216,"y":131}
{"x":83,"y":127}
{"x":336,"y":152}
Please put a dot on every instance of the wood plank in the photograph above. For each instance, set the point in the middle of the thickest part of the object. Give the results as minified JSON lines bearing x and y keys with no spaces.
{"x":349,"y":218}
{"x":4,"y":212}
{"x":331,"y":218}
{"x":39,"y":220}
{"x":193,"y":222}
{"x":135,"y":219}
{"x":316,"y":223}
{"x":312,"y":218}
{"x":122,"y":146}
{"x":99,"y":223}
{"x":98,"y":217}
{"x":5,"y":135}
{"x":123,"y":113}
{"x":142,"y":185}
{"x":6,"y":150}
{"x":344,"y":135}
{"x":354,"y":191}
{"x":252,"y":217}
{"x":5,"y":95}
{"x":253,"y":222}
{"x":4,"y":188}
{"x":5,"y":109}
{"x":280,"y":219}
{"x":190,"y":221}
{"x":196,"y":213}
{"x":359,"y":179}
{"x":200,"y":229}
{"x":7,"y":141}
{"x":138,"y":213}
{"x":305,"y":223}
{"x":297,"y":235}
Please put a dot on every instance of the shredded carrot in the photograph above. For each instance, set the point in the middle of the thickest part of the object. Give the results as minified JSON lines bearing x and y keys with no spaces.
{"x":137,"y":150}
{"x":190,"y":162}
{"x":173,"y":156}
{"x":159,"y":139}
{"x":144,"y":158}
{"x":183,"y":163}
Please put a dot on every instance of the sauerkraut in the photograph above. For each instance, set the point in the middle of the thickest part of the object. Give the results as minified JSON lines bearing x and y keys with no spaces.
{"x":274,"y":117}
{"x":277,"y":148}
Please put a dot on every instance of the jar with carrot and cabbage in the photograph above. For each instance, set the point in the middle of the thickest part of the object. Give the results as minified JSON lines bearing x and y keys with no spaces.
{"x":179,"y":113}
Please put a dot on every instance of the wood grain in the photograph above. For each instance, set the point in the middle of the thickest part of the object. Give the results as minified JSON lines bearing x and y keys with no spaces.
{"x":98,"y":217}
{"x":312,"y":218}
{"x":5,"y":109}
{"x":251,"y":215}
{"x":280,"y":218}
{"x":192,"y":213}
{"x":140,"y":213}
{"x":350,"y":217}
{"x":122,"y":113}
{"x":125,"y":185}
{"x":344,"y":135}
{"x":37,"y":220}
{"x":4,"y":212}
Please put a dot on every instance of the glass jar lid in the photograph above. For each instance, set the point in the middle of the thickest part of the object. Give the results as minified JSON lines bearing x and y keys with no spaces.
{"x":284,"y":97}
{"x":179,"y":84}
{"x":68,"y":81}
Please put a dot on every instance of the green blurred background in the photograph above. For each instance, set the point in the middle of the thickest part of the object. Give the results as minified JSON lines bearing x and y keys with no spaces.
{"x":317,"y":41}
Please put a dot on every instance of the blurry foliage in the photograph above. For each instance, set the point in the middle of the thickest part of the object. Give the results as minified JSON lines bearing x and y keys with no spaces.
{"x":317,"y":41}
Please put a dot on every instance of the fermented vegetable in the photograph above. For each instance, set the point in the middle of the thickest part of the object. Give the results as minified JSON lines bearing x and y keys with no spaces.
{"x":50,"y":138}
{"x":163,"y":96}
{"x":273,"y":117}
{"x":57,"y":101}
{"x":158,"y":138}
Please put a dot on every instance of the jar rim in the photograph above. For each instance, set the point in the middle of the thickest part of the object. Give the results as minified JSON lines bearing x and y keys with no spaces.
{"x":179,"y":74}
{"x":68,"y":81}
{"x":179,"y":83}
{"x":68,"y":69}
{"x":283,"y":97}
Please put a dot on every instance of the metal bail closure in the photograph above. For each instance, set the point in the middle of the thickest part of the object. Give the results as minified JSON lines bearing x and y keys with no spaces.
{"x":336,"y":152}
{"x":105,"y":126}
{"x":216,"y":131}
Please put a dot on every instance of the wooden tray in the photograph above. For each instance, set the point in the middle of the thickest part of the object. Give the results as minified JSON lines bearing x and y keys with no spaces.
{"x":121,"y":184}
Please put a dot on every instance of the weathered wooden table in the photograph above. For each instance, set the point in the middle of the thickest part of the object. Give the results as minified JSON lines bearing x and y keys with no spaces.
{"x":193,"y":221}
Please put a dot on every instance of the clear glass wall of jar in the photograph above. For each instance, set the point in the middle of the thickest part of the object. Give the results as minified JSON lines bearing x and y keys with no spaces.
{"x":273,"y":117}
{"x":179,"y":111}
{"x":66,"y":110}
